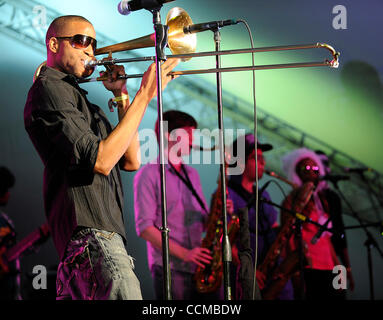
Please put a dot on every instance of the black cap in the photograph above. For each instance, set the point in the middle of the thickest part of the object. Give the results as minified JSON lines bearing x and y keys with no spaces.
{"x":264,"y":146}
{"x":249,"y":146}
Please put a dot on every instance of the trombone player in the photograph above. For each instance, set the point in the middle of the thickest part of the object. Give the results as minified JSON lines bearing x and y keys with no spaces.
{"x":82,"y":155}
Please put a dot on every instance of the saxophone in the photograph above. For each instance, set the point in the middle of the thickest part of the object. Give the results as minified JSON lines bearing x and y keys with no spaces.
{"x":279,"y":275}
{"x":209,"y":278}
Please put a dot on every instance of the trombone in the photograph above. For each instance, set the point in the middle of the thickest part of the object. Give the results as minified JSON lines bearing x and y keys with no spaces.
{"x":183,"y":46}
{"x":334,"y":63}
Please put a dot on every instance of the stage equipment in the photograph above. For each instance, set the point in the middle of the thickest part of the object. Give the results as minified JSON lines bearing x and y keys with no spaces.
{"x":183,"y":46}
{"x":333,"y":63}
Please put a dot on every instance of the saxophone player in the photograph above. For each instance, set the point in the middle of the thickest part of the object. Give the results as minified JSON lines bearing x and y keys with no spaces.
{"x":241,"y":191}
{"x":186,"y":208}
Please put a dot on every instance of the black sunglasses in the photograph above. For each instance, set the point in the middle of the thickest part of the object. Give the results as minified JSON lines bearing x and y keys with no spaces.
{"x":315,"y":169}
{"x":81,"y":41}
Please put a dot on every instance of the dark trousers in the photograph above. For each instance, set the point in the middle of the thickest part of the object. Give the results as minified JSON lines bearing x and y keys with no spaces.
{"x":318,"y":284}
{"x":182,"y":286}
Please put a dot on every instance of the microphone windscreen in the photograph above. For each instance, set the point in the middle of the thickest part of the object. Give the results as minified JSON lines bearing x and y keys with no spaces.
{"x":123,"y":7}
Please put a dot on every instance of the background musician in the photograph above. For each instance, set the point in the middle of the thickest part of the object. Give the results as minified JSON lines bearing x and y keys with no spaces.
{"x":338,"y":238}
{"x":241,"y":191}
{"x":186,"y":209}
{"x":8,"y":289}
{"x":304,"y":167}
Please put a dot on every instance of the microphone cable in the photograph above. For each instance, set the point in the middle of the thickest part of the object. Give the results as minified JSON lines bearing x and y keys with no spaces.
{"x":256,"y":161}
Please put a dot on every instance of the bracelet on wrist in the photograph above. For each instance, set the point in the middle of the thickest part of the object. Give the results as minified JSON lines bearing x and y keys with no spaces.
{"x":113,"y":102}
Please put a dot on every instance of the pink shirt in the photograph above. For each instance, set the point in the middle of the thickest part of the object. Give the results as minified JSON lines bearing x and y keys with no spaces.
{"x":320,"y":253}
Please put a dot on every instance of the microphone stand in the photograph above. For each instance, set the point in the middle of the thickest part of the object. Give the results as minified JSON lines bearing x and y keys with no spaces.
{"x":371,"y":192}
{"x":226,"y":247}
{"x":299,"y":239}
{"x":369,"y":243}
{"x":373,"y":224}
{"x":161,"y":39}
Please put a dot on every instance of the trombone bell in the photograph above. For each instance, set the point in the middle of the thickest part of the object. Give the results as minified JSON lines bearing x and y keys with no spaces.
{"x":178,"y":42}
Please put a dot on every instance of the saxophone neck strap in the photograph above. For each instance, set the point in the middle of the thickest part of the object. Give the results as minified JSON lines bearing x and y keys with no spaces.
{"x":186,"y":180}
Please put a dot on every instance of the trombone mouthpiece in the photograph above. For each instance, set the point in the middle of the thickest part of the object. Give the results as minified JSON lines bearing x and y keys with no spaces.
{"x":90,"y":63}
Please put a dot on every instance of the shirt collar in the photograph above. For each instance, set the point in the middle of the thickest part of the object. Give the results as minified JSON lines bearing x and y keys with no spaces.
{"x":169,"y":168}
{"x":237,"y":185}
{"x":59,"y":75}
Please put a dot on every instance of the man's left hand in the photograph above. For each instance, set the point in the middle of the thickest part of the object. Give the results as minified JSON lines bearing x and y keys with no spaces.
{"x":112,"y":84}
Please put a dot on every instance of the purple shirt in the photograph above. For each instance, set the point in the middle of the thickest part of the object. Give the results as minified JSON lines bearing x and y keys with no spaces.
{"x":185,"y":215}
{"x":267,"y":216}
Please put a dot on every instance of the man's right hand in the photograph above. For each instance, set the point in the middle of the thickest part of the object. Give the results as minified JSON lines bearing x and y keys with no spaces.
{"x":149,"y":80}
{"x":199,"y":256}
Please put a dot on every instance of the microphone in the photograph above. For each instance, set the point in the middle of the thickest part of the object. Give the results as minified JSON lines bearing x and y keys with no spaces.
{"x":334,"y":178}
{"x":316,"y":237}
{"x":273,"y":174}
{"x":125,"y":7}
{"x":356,"y":170}
{"x":199,"y":27}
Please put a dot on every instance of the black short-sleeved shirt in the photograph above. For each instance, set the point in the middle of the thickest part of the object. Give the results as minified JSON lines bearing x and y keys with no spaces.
{"x":66,"y":129}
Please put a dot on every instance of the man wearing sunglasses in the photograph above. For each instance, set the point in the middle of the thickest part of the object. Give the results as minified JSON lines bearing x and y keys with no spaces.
{"x":338,"y":239}
{"x":303,"y":167}
{"x":80,"y":151}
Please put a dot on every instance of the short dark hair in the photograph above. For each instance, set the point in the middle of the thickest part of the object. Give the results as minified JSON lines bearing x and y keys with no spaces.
{"x":58,"y":23}
{"x":176,"y":119}
{"x":7,"y":180}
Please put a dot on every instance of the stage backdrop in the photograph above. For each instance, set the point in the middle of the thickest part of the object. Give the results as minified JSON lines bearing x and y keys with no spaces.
{"x":342,"y":107}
